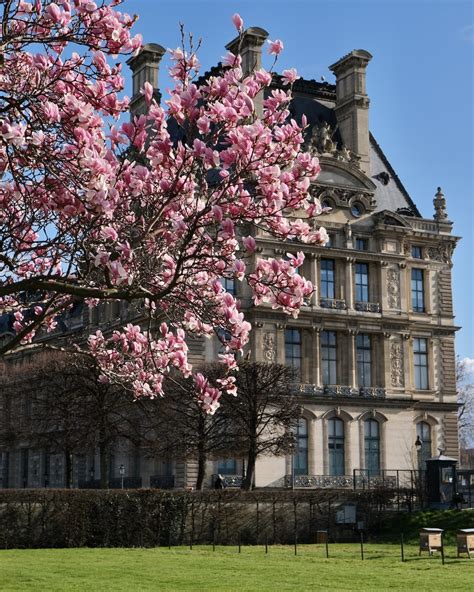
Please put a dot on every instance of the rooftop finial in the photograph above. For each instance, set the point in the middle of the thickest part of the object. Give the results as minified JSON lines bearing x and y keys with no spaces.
{"x":440,"y":206}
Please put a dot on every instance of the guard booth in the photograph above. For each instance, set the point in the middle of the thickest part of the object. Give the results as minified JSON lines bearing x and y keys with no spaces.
{"x":441,"y":481}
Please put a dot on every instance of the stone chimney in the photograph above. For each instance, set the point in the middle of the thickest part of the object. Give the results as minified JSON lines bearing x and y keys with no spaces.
{"x":251,"y":53}
{"x":250,"y":49}
{"x":144,"y":68}
{"x":352,"y":104}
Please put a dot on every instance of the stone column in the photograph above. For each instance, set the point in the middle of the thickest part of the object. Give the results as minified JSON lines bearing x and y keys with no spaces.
{"x":250,"y":48}
{"x":314,"y":258}
{"x":352,"y":358}
{"x":316,"y":357}
{"x":280,"y":343}
{"x":349,"y":290}
{"x":407,"y":359}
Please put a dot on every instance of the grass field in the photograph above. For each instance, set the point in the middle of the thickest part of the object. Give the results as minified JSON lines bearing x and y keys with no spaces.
{"x":136,"y":570}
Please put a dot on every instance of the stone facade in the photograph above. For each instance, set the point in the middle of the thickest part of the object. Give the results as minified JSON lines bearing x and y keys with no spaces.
{"x":376,"y":340}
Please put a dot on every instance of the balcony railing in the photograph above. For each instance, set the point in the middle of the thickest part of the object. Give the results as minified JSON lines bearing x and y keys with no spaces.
{"x":332,"y":303}
{"x":229,"y":480}
{"x":367,"y":306}
{"x":360,"y":479}
{"x":337,"y":390}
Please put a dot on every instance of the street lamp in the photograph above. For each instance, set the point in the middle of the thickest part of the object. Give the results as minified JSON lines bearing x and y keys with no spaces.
{"x":122,"y":473}
{"x":418,"y":446}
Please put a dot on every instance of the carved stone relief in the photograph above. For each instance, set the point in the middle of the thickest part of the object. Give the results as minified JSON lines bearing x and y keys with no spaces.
{"x":269,"y":351}
{"x":442,"y":252}
{"x":393,"y":287}
{"x":396,"y":364}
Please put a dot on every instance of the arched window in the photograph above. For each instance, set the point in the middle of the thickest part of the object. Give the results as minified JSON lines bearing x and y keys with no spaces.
{"x":372,"y":446}
{"x":423,"y":431}
{"x":300,"y":458}
{"x":336,"y":446}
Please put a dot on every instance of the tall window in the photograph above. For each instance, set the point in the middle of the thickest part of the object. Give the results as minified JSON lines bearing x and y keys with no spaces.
{"x":364,"y":360}
{"x":362,"y":282}
{"x":329,"y":357}
{"x":293,"y":349}
{"x":336,"y":446}
{"x":417,"y":291}
{"x":416,"y":252}
{"x":420,"y":363}
{"x":327,"y":279}
{"x":361,"y":244}
{"x":423,"y":431}
{"x":229,"y":285}
{"x":372,"y":446}
{"x":300,"y":459}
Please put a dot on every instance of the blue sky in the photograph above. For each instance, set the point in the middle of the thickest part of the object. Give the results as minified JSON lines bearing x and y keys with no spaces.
{"x":420,"y":83}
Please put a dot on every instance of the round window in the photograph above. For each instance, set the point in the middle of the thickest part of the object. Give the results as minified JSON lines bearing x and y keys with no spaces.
{"x":356,"y":210}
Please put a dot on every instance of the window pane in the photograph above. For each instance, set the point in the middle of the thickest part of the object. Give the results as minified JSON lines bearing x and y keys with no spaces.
{"x":300,"y":458}
{"x":327,"y":279}
{"x":227,"y":466}
{"x":416,"y":252}
{"x":423,"y":431}
{"x":293,"y":348}
{"x":329,"y":357}
{"x":364,"y":360}
{"x":229,"y":285}
{"x":372,"y":446}
{"x":336,"y":446}
{"x":420,"y":363}
{"x":417,"y":290}
{"x":362,"y":282}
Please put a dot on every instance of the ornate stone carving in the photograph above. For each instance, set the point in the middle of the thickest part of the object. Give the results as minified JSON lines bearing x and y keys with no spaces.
{"x":393,"y":287}
{"x":321,"y":141}
{"x":442,"y":252}
{"x":439,"y":203}
{"x":269,"y":353}
{"x":396,"y":364}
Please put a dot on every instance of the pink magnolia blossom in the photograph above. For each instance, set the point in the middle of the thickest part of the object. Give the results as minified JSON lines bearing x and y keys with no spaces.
{"x":103,"y":211}
{"x":275,"y":47}
{"x":238,"y":22}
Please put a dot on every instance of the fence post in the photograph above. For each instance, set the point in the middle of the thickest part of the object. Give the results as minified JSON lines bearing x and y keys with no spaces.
{"x":442,"y":549}
{"x":402,"y":552}
{"x":266,"y":544}
{"x":240,"y":540}
{"x":362,"y":545}
{"x":354,"y":485}
{"x":295,"y":523}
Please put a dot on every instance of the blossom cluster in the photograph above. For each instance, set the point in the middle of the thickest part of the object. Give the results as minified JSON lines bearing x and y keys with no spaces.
{"x":156,"y":210}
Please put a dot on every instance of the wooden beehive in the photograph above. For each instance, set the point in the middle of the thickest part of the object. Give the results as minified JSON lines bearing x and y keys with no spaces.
{"x":431,"y":539}
{"x":465,"y":541}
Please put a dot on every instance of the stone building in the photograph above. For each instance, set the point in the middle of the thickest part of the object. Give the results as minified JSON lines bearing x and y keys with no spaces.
{"x":374,"y":346}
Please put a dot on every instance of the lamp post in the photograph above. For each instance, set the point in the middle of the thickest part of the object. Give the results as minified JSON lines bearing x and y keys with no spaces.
{"x":122,"y":473}
{"x":92,"y":475}
{"x":418,"y":447}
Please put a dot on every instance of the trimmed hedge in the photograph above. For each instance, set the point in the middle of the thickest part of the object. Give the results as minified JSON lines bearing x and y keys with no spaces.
{"x":146,"y":518}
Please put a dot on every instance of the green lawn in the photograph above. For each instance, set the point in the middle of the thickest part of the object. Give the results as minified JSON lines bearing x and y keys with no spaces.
{"x":134,"y":570}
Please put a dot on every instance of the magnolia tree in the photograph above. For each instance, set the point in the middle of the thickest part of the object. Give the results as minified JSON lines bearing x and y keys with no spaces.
{"x":81,"y":218}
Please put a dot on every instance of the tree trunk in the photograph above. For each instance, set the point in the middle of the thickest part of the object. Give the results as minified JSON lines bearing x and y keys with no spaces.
{"x":247,"y":483}
{"x":201,"y":470}
{"x":104,"y":466}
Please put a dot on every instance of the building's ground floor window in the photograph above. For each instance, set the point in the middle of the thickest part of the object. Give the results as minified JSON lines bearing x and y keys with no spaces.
{"x":372,"y":446}
{"x":300,"y":459}
{"x":336,"y":446}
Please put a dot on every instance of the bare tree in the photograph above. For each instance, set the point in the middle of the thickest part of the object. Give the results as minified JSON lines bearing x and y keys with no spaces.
{"x":262,"y":418}
{"x":465,"y":390}
{"x":71,"y":411}
{"x":177,"y":426}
